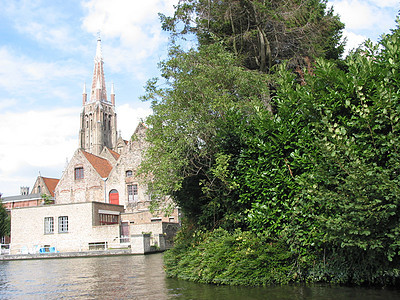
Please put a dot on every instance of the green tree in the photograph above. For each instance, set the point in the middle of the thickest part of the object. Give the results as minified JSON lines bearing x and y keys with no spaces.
{"x":263,"y":33}
{"x":190,"y":114}
{"x":4,"y":221}
{"x":348,"y":204}
{"x":203,"y":115}
{"x":191,"y":126}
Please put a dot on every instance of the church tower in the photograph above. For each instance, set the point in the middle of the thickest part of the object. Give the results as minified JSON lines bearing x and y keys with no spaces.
{"x":98,"y":123}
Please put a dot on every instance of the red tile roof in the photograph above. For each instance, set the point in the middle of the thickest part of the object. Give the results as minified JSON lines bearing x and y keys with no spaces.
{"x":101,"y":165}
{"x":115,"y":154}
{"x":51,"y":184}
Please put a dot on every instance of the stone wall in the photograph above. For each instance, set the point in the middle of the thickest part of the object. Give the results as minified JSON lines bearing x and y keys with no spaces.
{"x":88,"y":189}
{"x":27,"y":228}
{"x":130,"y":160}
{"x":145,"y":216}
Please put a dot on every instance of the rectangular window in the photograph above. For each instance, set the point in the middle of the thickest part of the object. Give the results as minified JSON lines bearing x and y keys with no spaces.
{"x":62,"y":224}
{"x":48,"y":225}
{"x":79,"y":173}
{"x":106,"y":219}
{"x":132,"y":192}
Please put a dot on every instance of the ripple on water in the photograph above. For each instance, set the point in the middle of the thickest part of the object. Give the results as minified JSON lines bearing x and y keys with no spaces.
{"x":142,"y":277}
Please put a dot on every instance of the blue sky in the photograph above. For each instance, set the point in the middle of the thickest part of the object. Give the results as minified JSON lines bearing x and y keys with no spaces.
{"x":46,"y":55}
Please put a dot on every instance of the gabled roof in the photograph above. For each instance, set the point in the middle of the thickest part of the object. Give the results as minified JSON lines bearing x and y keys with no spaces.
{"x":115,"y":154}
{"x":101,"y":165}
{"x":51,"y":184}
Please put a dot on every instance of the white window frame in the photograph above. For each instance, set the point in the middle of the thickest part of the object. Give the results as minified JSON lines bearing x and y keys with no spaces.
{"x":48,"y":225}
{"x":62,"y":224}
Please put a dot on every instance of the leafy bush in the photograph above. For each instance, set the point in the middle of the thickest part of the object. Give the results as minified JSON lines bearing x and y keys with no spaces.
{"x":239,"y":258}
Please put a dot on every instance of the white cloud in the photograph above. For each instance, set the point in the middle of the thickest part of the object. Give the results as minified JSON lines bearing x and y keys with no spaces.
{"x":365,"y":19}
{"x":44,"y":22}
{"x":35,"y":140}
{"x":353,"y":40}
{"x":39,"y":137}
{"x":386,"y":3}
{"x":25,"y":77}
{"x":134,"y":26}
{"x":129,"y":117}
{"x":356,"y":14}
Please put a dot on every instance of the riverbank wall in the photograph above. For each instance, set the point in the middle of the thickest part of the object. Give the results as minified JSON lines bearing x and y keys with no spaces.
{"x":72,"y":254}
{"x":138,"y":244}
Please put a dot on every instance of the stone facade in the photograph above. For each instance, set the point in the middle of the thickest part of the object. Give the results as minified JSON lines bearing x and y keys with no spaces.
{"x":44,"y":185}
{"x":82,"y":230}
{"x":81,"y":182}
{"x":100,"y":194}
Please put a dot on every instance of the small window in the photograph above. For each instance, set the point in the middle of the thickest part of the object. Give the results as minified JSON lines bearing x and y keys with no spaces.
{"x":48,"y":225}
{"x":63,"y":224}
{"x":39,"y":189}
{"x":79,"y":173}
{"x":132,"y":193}
{"x":129,"y":173}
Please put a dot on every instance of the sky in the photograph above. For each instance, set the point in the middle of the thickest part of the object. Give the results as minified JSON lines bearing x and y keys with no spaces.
{"x":47,"y":48}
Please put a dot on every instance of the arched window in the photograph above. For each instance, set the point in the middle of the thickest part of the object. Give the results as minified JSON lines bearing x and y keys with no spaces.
{"x":129,"y":173}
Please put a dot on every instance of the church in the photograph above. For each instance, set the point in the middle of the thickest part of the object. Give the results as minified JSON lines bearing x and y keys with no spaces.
{"x":100,"y":201}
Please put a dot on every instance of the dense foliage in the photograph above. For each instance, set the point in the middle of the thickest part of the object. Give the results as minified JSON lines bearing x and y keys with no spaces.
{"x":262,"y":33}
{"x":238,"y":258}
{"x":4,"y":221}
{"x":306,"y":191}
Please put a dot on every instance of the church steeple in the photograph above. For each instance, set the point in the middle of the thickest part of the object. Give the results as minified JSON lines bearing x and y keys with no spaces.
{"x":99,"y":92}
{"x":98,"y":126}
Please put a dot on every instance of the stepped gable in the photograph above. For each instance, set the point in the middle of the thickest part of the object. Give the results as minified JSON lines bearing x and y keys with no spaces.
{"x":102,"y":166}
{"x":51,"y":184}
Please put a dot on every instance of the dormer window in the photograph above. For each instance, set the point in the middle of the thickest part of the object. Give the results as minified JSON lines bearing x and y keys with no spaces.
{"x":129,"y":173}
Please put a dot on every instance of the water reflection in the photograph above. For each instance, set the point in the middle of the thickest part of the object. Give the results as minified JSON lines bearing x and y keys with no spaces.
{"x":116,"y":277}
{"x":142,"y":277}
{"x":188,"y":290}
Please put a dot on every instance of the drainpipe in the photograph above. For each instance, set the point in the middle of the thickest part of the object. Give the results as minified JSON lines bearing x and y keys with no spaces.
{"x":105,"y":189}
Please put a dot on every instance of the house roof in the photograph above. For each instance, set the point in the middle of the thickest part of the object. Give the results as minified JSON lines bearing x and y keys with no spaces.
{"x":21,"y":198}
{"x":51,"y":184}
{"x":101,"y":165}
{"x":115,"y":154}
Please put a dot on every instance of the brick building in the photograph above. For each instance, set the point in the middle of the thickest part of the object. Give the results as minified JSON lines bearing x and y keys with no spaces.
{"x":99,"y":199}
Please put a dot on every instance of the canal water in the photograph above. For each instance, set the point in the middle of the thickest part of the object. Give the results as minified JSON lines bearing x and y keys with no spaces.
{"x":142,"y":277}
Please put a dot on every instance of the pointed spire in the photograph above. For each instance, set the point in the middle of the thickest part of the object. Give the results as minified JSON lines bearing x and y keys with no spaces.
{"x":84,"y":94}
{"x":98,"y":86}
{"x":112,"y":96}
{"x":99,"y":54}
{"x":99,"y":92}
